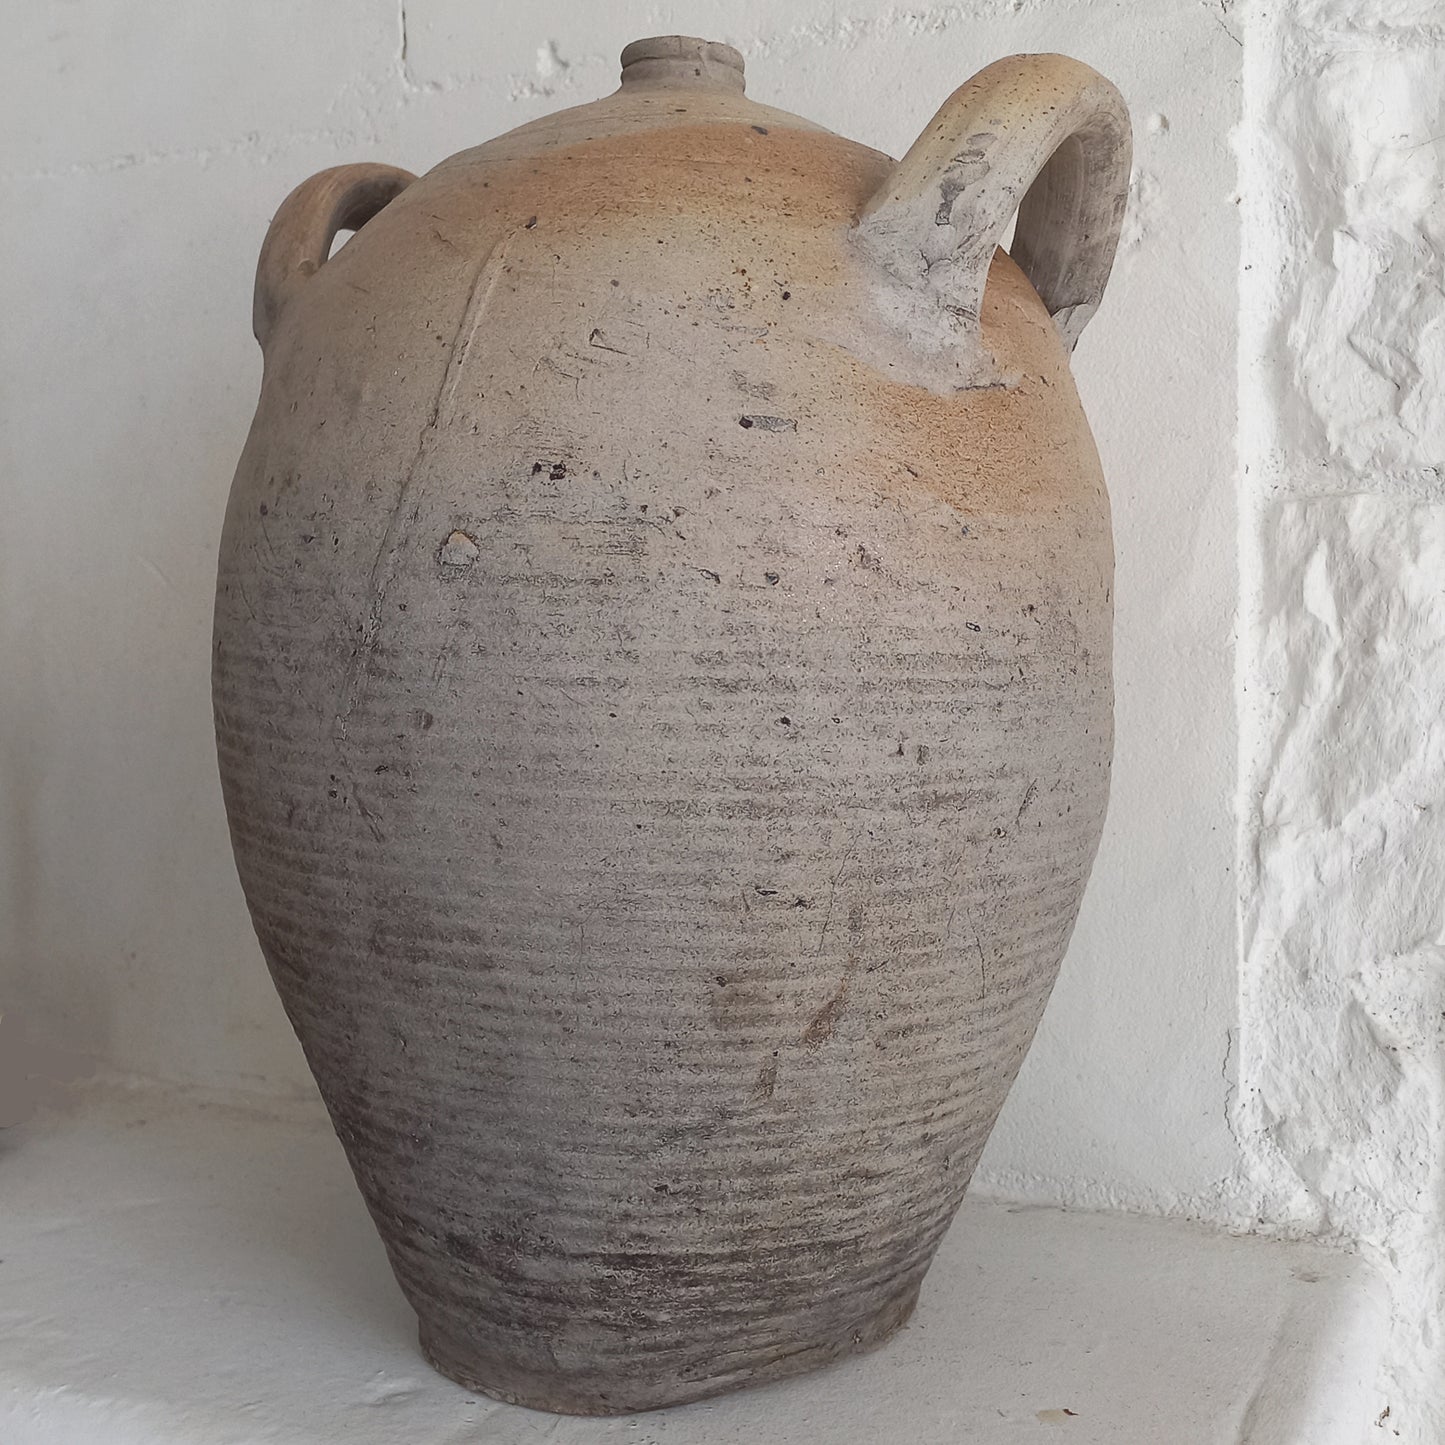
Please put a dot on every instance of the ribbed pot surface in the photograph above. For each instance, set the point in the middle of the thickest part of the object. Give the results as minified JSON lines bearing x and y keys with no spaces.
{"x":664,"y":752}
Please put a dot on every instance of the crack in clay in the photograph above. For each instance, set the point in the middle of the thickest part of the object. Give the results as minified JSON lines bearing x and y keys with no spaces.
{"x":833,"y":894}
{"x":249,"y":148}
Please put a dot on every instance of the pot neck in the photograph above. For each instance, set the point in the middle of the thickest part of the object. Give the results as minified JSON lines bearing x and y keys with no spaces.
{"x":682,"y":60}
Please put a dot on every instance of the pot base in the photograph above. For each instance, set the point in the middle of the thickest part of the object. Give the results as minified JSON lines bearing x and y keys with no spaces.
{"x":602,"y":1392}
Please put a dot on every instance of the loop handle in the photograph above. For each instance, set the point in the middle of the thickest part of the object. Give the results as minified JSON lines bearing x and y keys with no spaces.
{"x":343,"y":198}
{"x":1042,"y":135}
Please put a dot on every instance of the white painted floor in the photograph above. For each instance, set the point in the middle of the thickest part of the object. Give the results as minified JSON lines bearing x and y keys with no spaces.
{"x":176,"y":1273}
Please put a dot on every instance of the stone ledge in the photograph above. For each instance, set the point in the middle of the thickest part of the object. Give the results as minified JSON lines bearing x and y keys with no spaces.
{"x":176,"y":1271}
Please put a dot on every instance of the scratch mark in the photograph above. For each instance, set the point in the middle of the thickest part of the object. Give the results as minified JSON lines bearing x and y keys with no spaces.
{"x":171,"y":586}
{"x":1030,"y":793}
{"x":833,"y":894}
{"x":479,"y":300}
{"x":384,"y":568}
{"x":598,"y":339}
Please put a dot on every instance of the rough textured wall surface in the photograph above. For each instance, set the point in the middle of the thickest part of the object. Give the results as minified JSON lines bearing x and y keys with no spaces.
{"x":148,"y":146}
{"x":1342,"y":669}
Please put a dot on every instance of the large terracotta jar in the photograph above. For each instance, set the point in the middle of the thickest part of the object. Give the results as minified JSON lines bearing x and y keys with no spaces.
{"x":662,"y":686}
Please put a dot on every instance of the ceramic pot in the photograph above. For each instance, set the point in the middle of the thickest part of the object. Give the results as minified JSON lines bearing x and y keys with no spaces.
{"x":662,"y":687}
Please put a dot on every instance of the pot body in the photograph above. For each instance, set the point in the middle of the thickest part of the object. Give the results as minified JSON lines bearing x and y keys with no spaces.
{"x":664,"y":749}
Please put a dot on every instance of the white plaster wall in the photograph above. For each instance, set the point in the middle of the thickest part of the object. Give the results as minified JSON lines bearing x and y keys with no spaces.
{"x":1341,"y":1107}
{"x":146,"y":148}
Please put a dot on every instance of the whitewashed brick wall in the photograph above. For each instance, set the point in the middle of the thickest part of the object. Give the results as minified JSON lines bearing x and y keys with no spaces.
{"x":1341,"y":1107}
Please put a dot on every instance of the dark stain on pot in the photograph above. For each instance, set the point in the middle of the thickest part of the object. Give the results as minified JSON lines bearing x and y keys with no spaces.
{"x":821,"y":1025}
{"x":767,"y":423}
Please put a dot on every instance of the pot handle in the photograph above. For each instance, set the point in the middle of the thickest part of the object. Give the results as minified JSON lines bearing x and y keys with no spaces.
{"x":1040,"y":134}
{"x":343,"y":198}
